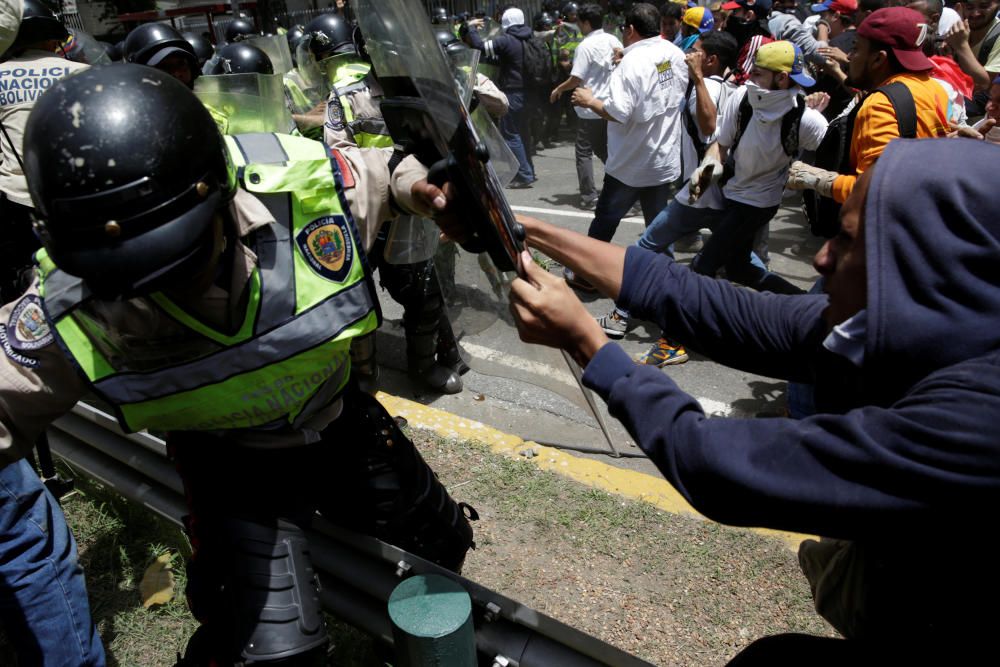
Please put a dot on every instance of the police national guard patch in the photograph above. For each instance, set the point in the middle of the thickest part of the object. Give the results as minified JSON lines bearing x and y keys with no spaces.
{"x":27,"y":327}
{"x":335,"y":114}
{"x":326,"y":245}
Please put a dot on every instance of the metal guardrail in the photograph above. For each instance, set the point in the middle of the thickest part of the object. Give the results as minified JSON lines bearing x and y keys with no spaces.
{"x":356,"y":573}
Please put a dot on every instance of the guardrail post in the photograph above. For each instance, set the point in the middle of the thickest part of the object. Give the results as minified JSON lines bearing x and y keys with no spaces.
{"x":432,"y":623}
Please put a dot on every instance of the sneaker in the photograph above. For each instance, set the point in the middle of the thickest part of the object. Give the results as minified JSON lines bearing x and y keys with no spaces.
{"x":664,"y":353}
{"x":689,"y":243}
{"x":614,"y":325}
{"x":517,"y":184}
{"x":578,"y":283}
{"x":589,"y":202}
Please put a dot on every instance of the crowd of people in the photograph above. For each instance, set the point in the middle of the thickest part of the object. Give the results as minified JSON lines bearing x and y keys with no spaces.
{"x":205,"y":266}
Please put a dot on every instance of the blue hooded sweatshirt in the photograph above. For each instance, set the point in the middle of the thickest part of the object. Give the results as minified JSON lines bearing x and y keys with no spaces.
{"x":904,"y":459}
{"x":507,"y":50}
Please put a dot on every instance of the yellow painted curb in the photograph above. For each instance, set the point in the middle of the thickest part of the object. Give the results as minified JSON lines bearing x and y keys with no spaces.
{"x":629,"y":483}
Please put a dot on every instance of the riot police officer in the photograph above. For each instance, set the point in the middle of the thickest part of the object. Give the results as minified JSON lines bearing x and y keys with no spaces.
{"x":353,"y":118}
{"x":203,"y":49}
{"x":161,"y":46}
{"x":239,"y":29}
{"x":209,"y":288}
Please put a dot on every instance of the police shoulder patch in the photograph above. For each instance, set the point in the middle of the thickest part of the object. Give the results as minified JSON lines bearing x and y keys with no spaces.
{"x":28,"y":329}
{"x":326,"y":245}
{"x":335,"y":114}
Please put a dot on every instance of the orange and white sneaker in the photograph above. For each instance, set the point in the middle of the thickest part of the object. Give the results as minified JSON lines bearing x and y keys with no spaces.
{"x":664,"y":353}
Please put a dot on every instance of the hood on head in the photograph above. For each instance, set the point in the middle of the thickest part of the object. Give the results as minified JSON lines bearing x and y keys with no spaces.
{"x":932,"y":238}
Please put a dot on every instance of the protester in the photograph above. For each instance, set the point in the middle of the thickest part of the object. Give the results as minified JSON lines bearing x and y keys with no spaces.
{"x":697,"y":21}
{"x":765,"y":124}
{"x":887,"y":51}
{"x":707,"y":96}
{"x":671,"y":19}
{"x":900,"y":465}
{"x":507,"y":50}
{"x":645,"y":97}
{"x":592,"y":67}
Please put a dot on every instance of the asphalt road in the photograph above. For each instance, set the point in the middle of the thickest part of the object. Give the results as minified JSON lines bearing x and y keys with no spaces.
{"x":528,"y":390}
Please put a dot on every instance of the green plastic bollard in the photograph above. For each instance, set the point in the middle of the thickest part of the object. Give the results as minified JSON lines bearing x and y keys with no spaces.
{"x":432,"y":623}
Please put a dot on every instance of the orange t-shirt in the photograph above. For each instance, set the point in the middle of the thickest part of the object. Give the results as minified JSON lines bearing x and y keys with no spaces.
{"x":875,"y":125}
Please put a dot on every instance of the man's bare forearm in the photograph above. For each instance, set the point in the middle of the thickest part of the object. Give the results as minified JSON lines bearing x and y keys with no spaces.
{"x":600,"y":263}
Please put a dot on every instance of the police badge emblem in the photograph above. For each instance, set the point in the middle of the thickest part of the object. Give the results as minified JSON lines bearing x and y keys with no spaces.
{"x":28,"y":325}
{"x":326,"y":246}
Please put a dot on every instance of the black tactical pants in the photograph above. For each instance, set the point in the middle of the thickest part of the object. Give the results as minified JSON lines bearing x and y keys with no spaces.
{"x":250,"y":581}
{"x":17,"y":247}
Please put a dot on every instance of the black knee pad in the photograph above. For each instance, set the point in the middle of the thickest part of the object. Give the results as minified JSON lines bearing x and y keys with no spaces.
{"x":256,"y":592}
{"x":411,"y":509}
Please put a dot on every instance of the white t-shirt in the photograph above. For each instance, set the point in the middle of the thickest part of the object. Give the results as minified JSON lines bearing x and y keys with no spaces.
{"x":646,"y":94}
{"x":593,"y":63}
{"x":719,"y":92}
{"x":761,"y":162}
{"x":22,"y":81}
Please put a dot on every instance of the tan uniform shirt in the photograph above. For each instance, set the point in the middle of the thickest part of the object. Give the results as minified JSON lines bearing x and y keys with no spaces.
{"x":22,"y":81}
{"x":38,"y":383}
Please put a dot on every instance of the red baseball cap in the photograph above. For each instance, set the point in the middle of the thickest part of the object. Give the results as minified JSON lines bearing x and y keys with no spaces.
{"x":903,"y":30}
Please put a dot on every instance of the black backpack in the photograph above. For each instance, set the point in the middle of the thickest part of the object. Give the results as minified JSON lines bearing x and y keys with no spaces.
{"x":834,"y":154}
{"x":790,"y":124}
{"x":537,"y":64}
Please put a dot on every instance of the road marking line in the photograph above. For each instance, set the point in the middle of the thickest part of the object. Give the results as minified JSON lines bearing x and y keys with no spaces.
{"x":629,"y":483}
{"x":569,"y":214}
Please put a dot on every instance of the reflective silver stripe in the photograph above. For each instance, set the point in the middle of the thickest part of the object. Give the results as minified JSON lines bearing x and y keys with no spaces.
{"x":352,"y":88}
{"x":274,"y":255}
{"x":62,"y":293}
{"x":261,"y":148}
{"x":369,"y":126}
{"x":308,"y":330}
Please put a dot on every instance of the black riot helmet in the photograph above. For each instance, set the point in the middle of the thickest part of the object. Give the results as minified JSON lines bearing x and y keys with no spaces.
{"x":117,"y":52}
{"x":293,"y":35}
{"x":239,"y":29}
{"x":38,"y":24}
{"x":151,"y":43}
{"x":569,"y":11}
{"x":330,"y":34}
{"x":241,"y":59}
{"x":203,"y":48}
{"x":448,"y":41}
{"x":543,"y":21}
{"x":440,"y":15}
{"x":127,"y":170}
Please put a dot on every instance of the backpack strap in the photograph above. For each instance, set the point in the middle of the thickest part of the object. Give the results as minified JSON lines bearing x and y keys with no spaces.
{"x":691,"y":125}
{"x":988,"y":42}
{"x":745,"y":113}
{"x":903,"y":105}
{"x":790,"y":124}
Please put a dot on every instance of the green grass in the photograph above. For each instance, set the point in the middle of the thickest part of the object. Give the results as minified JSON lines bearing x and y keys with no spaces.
{"x":671,"y":589}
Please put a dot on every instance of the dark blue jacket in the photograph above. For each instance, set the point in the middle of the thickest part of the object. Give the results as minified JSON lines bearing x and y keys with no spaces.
{"x":507,"y":51}
{"x":906,"y":457}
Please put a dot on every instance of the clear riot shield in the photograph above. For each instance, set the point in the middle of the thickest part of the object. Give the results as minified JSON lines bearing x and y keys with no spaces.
{"x":425,"y":113}
{"x":244,"y":103}
{"x":276,"y":48}
{"x":464,"y":66}
{"x":306,"y":80}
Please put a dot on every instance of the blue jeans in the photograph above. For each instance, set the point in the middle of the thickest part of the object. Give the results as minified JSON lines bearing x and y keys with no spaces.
{"x":730,"y":247}
{"x":511,"y":125}
{"x":43,"y":598}
{"x":674,"y":222}
{"x":617,"y":198}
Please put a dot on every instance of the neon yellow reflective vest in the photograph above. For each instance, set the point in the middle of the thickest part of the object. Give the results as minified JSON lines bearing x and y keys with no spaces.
{"x":309,"y":294}
{"x":568,"y":37}
{"x":347,"y":75}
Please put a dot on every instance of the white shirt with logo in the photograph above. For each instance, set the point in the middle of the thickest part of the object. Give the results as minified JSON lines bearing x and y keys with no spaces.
{"x":22,"y":82}
{"x":593,"y":63}
{"x":646,"y":95}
